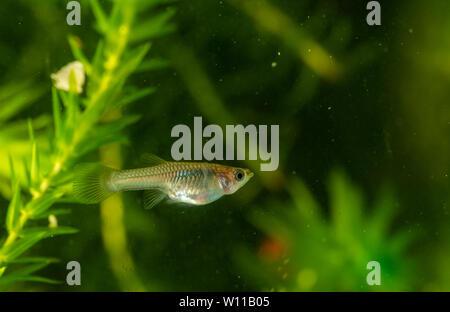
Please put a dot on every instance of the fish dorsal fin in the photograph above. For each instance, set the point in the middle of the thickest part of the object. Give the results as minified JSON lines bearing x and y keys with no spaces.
{"x":151,"y":160}
{"x":153,"y":198}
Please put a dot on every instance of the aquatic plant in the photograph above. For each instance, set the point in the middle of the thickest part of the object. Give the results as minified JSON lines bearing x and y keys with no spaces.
{"x":79,"y":127}
{"x":306,"y":249}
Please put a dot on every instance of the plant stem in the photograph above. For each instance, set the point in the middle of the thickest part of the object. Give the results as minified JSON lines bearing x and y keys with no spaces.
{"x":113,"y":230}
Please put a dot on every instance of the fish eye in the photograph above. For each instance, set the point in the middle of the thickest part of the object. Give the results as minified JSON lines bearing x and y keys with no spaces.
{"x":239,"y":175}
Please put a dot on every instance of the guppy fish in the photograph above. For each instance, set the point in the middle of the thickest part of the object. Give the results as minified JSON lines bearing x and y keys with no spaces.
{"x":194,"y":183}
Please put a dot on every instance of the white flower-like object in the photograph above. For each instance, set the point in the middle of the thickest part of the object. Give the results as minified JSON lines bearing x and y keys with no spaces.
{"x":62,"y":77}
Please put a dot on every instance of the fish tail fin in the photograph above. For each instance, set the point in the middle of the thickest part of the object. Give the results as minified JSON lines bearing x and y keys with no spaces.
{"x":90,"y":184}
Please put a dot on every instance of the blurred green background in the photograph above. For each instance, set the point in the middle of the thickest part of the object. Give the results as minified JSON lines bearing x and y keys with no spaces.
{"x":364,"y":146}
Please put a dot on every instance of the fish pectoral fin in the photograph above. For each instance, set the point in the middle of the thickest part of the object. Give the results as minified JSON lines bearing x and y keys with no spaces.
{"x":151,"y":160}
{"x":153,"y":198}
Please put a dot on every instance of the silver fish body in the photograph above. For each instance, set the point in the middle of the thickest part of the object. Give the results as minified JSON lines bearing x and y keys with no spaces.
{"x":194,"y":183}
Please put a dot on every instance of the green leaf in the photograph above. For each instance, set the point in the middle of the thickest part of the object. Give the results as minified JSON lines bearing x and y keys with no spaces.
{"x":39,"y":205}
{"x":30,"y":237}
{"x":12,"y":171}
{"x":19,"y":246}
{"x":132,"y":60}
{"x":35,"y":266}
{"x":56,"y":113}
{"x":346,"y":206}
{"x":12,"y":89}
{"x":13,"y":213}
{"x":75,"y":44}
{"x":97,"y":67}
{"x":15,"y":97}
{"x":135,"y":96}
{"x":153,"y":64}
{"x":100,"y":16}
{"x":27,"y":172}
{"x":69,"y":100}
{"x":34,"y":171}
{"x":119,"y":12}
{"x":12,"y":278}
{"x":30,"y":130}
{"x":55,"y":212}
{"x":34,"y":260}
{"x":17,"y":130}
{"x":304,"y":201}
{"x":382,"y":215}
{"x":107,"y":133}
{"x":48,"y":232}
{"x":155,"y":26}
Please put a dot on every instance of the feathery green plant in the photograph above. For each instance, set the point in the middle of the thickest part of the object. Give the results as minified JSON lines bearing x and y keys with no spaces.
{"x":78,"y":129}
{"x":305,"y":251}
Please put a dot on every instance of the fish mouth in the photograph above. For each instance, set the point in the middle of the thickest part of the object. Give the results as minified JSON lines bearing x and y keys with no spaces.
{"x":250,"y":174}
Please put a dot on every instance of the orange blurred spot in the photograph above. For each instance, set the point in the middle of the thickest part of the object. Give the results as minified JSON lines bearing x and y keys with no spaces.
{"x":272,"y":249}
